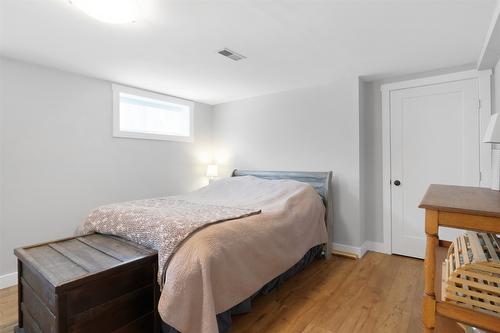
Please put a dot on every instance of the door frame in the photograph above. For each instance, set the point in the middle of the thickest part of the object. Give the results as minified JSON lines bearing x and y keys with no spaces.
{"x":484,"y":82}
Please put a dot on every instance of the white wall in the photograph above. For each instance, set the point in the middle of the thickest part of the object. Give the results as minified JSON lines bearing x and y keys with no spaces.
{"x":363,"y":156}
{"x":371,"y":169}
{"x":310,"y":129}
{"x":333,"y":127}
{"x":2,"y":234}
{"x":496,"y":89}
{"x":59,"y":158}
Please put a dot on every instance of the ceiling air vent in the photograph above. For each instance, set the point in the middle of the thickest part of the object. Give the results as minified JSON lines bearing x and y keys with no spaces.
{"x":231,"y":54}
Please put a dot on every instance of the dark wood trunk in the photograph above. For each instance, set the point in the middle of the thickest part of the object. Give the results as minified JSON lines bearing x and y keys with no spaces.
{"x":93,"y":283}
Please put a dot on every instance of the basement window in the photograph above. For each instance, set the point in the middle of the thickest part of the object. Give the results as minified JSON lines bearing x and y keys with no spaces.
{"x":141,"y":114}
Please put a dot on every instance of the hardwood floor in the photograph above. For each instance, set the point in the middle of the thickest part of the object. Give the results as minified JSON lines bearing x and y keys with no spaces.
{"x":8,"y":309}
{"x":378,"y":293}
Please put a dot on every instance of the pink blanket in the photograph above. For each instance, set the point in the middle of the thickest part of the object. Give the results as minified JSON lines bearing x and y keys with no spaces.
{"x":224,"y":264}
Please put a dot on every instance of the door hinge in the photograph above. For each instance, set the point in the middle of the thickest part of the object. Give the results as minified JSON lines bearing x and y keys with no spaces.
{"x":480,"y":176}
{"x":479,"y":104}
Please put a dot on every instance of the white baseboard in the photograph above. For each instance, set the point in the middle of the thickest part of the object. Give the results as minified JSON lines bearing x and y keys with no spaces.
{"x":8,"y":280}
{"x":375,"y":247}
{"x":353,"y":250}
{"x":360,"y":251}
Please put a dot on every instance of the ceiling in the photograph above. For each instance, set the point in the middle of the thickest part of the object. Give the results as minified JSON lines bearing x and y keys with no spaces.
{"x":172,"y":48}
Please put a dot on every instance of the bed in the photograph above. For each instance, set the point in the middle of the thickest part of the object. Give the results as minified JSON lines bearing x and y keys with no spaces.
{"x":274,"y":225}
{"x":320,"y":181}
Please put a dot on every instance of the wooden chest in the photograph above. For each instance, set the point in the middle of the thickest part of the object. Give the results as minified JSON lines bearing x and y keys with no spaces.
{"x":93,"y":283}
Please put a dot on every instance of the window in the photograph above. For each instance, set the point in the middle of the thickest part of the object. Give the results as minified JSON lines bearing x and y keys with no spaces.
{"x":145,"y":115}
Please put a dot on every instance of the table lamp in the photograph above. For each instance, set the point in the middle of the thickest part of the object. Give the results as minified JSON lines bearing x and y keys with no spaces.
{"x":212,"y":172}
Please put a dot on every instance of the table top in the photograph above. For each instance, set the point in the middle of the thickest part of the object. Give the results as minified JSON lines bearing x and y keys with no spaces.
{"x":462,"y":199}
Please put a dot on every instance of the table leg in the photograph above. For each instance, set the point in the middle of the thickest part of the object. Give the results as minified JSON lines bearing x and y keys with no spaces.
{"x":19,"y":294}
{"x":432,"y":242}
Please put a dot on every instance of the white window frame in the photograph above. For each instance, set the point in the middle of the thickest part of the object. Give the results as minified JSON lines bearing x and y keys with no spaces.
{"x":117,"y":89}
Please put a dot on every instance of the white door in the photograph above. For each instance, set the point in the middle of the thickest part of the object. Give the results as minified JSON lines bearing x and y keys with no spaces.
{"x":434,"y":140}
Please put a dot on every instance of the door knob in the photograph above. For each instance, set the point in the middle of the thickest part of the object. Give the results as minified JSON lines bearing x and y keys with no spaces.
{"x":397,"y":182}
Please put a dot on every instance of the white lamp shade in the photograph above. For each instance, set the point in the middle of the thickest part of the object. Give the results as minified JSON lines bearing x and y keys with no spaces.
{"x":212,"y":170}
{"x":492,"y":134}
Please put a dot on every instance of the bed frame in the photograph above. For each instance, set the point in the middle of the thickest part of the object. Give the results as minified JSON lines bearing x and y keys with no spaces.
{"x":322,"y":183}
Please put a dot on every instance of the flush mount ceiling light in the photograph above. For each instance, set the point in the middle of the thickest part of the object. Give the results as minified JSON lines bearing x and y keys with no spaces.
{"x":109,"y":11}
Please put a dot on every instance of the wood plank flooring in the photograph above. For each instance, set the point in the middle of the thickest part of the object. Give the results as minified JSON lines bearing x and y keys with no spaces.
{"x":8,"y":309}
{"x":378,"y":293}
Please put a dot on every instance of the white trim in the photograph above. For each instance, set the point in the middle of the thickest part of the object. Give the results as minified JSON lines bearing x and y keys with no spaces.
{"x":8,"y":280}
{"x":359,"y":252}
{"x":374,"y":247}
{"x":354,"y":250}
{"x":484,"y":78}
{"x":386,"y":171}
{"x":489,"y":53}
{"x":427,"y":81}
{"x":117,"y":89}
{"x":485,"y":149}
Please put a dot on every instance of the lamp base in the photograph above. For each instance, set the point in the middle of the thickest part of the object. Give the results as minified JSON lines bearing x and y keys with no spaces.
{"x":495,"y":169}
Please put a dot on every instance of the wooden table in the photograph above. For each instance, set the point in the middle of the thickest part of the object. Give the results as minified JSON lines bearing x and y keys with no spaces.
{"x":460,"y":207}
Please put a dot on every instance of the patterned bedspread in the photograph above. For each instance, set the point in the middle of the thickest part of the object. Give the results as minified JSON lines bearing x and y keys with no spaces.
{"x":162,"y":224}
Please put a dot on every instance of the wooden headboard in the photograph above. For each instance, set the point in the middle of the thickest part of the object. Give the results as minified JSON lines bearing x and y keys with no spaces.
{"x":321,"y":181}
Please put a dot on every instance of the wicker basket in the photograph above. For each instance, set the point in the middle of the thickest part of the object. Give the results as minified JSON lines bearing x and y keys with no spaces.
{"x":471,"y":272}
